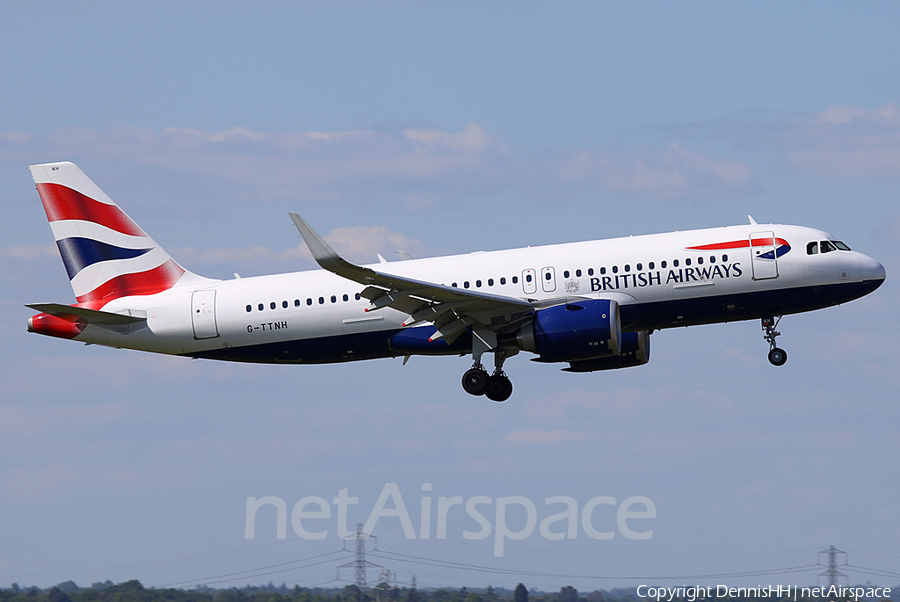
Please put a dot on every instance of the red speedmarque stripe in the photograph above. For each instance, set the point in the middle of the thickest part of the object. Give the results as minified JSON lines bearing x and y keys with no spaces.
{"x":740,"y":244}
{"x":153,"y":281}
{"x":61,"y":202}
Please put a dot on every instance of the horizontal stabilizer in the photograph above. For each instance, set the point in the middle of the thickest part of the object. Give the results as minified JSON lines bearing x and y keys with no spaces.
{"x":91,"y":316}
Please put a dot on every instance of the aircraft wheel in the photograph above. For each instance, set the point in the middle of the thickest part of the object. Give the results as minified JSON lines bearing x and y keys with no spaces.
{"x":777,"y":357}
{"x":499,"y":388}
{"x":475,"y":381}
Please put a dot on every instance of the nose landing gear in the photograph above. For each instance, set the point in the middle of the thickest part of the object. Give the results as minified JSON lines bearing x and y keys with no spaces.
{"x":777,"y":356}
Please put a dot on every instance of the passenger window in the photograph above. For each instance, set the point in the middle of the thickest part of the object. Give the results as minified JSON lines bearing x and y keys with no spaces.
{"x":528,"y":278}
{"x":345,"y":297}
{"x":687,"y":261}
{"x":478,"y":283}
{"x":249,"y":308}
{"x":358,"y":297}
{"x":490,"y":282}
{"x":812,"y":248}
{"x":548,"y":276}
{"x":590,"y":271}
{"x":309,"y":301}
{"x":639,"y":267}
{"x":578,"y":273}
{"x":712,"y":258}
{"x":724,"y":258}
{"x":296,"y":302}
{"x":503,"y":280}
{"x":651,"y":265}
{"x":663,"y":265}
{"x":675,"y":263}
{"x":466,"y":284}
{"x":272,"y":305}
{"x":700,"y":261}
{"x":321,"y":300}
{"x":615,"y":269}
{"x":284,"y":304}
{"x":602,"y":271}
{"x":515,"y":279}
{"x":627,"y":268}
{"x":333,"y":299}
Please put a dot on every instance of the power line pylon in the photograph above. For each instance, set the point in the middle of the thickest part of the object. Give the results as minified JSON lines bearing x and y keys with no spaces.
{"x":360,"y":564}
{"x":832,"y":572}
{"x":384,"y":585}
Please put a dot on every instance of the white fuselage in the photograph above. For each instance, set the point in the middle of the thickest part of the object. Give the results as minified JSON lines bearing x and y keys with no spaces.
{"x":659,"y":281}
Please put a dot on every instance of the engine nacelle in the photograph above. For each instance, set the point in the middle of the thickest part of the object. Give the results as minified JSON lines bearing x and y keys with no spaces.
{"x":634,"y":351}
{"x":582,"y":330}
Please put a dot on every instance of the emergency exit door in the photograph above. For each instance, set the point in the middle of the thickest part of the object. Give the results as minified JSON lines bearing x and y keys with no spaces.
{"x":203,"y":314}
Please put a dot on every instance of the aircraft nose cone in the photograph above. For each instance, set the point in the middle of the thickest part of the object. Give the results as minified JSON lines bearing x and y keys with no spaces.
{"x":872,"y":270}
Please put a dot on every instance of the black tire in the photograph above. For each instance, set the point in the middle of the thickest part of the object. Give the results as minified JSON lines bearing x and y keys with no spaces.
{"x":777,"y":357}
{"x":475,"y":381}
{"x":499,"y":388}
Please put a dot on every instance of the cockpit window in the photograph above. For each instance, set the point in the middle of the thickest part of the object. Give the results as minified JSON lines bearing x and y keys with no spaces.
{"x":826,"y":246}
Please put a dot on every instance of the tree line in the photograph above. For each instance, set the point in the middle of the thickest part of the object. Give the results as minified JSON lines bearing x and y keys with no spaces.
{"x":134,"y":591}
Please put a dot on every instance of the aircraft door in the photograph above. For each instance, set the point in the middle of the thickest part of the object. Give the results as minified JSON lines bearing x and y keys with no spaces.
{"x":203,"y":314}
{"x":763,"y":256}
{"x":548,"y":279}
{"x":529,"y":281}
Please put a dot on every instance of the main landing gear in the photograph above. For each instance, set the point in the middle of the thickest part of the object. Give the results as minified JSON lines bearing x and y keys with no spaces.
{"x":777,"y":356}
{"x":496,"y":387}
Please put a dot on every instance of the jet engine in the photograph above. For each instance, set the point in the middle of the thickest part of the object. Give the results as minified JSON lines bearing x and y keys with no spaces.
{"x":633,"y":351}
{"x":583,"y":330}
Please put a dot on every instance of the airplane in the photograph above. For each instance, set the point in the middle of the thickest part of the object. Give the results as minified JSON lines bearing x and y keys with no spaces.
{"x":592,"y":305}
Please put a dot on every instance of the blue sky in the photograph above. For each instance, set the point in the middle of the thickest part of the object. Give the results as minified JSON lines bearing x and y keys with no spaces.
{"x":446,"y":128}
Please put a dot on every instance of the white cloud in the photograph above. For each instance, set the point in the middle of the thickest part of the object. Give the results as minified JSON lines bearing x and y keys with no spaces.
{"x":364,"y":242}
{"x":410,"y":164}
{"x":30,"y":420}
{"x":356,"y":243}
{"x":888,"y":115}
{"x":669,"y":172}
{"x":844,"y":140}
{"x":31,"y":251}
{"x":574,"y":406}
{"x":848,"y":141}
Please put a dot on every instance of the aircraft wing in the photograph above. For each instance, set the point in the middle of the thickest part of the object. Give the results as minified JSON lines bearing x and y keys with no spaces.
{"x":452,"y":310}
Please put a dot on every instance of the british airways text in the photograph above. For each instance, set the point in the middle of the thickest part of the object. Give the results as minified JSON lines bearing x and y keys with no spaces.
{"x":674,"y":276}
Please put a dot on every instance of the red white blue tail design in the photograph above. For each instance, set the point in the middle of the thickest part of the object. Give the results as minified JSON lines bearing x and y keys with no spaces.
{"x":106,"y":254}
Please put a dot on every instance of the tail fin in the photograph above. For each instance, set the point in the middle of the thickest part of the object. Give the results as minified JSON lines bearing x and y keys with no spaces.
{"x":106,"y":254}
